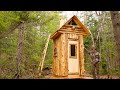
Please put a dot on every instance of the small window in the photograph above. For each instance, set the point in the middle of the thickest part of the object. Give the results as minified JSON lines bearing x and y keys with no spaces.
{"x":72,"y":22}
{"x":73,"y":49}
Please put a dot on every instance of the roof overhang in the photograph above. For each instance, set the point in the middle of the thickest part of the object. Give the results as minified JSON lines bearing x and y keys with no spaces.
{"x":55,"y":34}
{"x":86,"y":30}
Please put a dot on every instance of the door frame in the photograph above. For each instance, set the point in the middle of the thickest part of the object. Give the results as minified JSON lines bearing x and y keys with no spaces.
{"x":75,"y":41}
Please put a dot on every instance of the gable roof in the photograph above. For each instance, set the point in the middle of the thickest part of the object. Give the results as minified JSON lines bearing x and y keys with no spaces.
{"x":77,"y":21}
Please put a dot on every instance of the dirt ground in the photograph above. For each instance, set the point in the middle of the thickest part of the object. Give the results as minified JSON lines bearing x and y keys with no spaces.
{"x":47,"y":73}
{"x":85,"y":77}
{"x":109,"y":77}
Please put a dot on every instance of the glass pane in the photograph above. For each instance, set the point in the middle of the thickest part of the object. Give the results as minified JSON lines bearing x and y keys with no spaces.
{"x":72,"y":50}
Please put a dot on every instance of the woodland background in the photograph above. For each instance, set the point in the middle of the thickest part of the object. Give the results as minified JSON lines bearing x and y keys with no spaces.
{"x":23,"y":36}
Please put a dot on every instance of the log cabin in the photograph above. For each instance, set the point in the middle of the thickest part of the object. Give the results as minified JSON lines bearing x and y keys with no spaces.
{"x":68,"y":48}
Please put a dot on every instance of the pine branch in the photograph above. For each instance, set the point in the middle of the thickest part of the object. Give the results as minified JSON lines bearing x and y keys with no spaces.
{"x":11,"y":29}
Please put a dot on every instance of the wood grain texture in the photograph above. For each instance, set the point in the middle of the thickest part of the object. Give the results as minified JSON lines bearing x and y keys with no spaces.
{"x":82,"y":70}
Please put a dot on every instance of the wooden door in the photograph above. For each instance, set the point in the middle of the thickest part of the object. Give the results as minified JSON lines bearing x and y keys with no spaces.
{"x":73,"y":63}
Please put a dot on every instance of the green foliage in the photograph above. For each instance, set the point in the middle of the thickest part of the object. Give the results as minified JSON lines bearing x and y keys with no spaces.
{"x":107,"y":43}
{"x":33,"y":43}
{"x":7,"y":18}
{"x":104,"y":67}
{"x":92,"y":23}
{"x":38,"y":25}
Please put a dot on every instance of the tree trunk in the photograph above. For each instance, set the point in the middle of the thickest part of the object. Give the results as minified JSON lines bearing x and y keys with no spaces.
{"x":116,"y":30}
{"x":19,"y":51}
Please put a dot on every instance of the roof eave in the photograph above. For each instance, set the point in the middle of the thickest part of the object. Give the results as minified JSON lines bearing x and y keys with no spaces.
{"x":55,"y":35}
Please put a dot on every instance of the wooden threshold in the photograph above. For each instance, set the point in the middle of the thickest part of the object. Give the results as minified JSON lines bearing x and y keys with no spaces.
{"x":70,"y":77}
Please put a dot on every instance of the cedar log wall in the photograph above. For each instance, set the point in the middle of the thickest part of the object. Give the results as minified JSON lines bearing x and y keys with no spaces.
{"x":81,"y":55}
{"x":60,"y":62}
{"x":56,"y":58}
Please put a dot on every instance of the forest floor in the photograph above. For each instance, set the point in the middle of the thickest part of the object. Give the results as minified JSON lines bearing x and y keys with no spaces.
{"x":47,"y":73}
{"x":109,"y":77}
{"x":85,"y":77}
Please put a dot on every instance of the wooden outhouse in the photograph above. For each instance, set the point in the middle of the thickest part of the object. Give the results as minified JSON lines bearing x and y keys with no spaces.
{"x":68,"y":55}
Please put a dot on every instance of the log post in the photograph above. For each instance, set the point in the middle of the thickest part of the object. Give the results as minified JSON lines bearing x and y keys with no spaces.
{"x":81,"y":55}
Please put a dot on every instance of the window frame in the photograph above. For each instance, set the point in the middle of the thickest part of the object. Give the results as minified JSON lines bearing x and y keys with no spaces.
{"x":74,"y":57}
